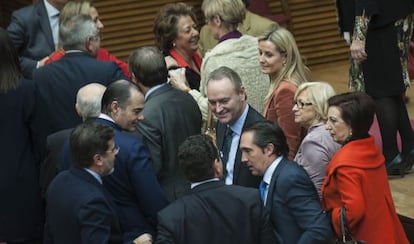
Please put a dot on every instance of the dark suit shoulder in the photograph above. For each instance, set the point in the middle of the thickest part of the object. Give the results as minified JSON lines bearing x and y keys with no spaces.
{"x":79,"y":185}
{"x":291,"y":175}
{"x":253,"y":116}
{"x":30,"y":9}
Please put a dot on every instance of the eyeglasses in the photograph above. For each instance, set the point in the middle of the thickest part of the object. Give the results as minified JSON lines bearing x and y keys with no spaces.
{"x":301,"y":104}
{"x":114,"y":150}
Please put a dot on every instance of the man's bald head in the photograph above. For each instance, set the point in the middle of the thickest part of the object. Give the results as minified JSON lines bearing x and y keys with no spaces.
{"x":88,"y":100}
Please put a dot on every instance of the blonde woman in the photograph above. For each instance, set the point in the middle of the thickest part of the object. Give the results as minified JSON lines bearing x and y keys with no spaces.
{"x":317,"y":148}
{"x":279,"y":57}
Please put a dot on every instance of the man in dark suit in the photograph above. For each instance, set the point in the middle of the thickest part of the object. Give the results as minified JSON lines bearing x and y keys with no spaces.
{"x":34,"y":31}
{"x":59,"y":81}
{"x":88,"y":106}
{"x":212,"y":212}
{"x":227,"y":100}
{"x":288,"y":193}
{"x":133,"y":185}
{"x":77,"y":209}
{"x":170,"y":116}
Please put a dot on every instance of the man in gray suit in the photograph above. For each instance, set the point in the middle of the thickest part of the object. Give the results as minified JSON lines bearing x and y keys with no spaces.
{"x":34,"y":31}
{"x":170,"y":116}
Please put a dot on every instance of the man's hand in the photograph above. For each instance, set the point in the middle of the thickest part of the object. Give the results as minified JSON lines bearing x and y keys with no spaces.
{"x":41,"y":63}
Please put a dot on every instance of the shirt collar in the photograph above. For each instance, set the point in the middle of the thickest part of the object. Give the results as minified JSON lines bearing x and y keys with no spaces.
{"x":267,"y":177}
{"x":50,"y":9}
{"x":152,"y":89}
{"x":194,"y":184}
{"x":94,"y":174}
{"x":237,"y":126}
{"x":106,"y":117}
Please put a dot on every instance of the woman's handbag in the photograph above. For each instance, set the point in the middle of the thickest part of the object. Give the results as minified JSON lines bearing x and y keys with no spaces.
{"x":345,"y":232}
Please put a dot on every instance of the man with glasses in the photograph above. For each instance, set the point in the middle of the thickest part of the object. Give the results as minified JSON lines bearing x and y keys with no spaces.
{"x":227,"y":100}
{"x":78,"y":211}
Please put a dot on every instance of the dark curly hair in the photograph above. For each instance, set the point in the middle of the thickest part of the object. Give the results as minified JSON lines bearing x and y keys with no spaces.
{"x":165,"y":24}
{"x":196,"y":155}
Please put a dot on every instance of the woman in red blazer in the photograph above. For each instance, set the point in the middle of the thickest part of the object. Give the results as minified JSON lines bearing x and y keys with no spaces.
{"x":279,"y":57}
{"x":356,"y":176}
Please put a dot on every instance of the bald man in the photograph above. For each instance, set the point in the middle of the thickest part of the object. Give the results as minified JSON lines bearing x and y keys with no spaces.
{"x":88,"y":106}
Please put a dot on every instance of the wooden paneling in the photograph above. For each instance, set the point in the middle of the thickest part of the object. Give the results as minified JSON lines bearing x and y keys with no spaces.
{"x":129,"y":24}
{"x":315,"y":29}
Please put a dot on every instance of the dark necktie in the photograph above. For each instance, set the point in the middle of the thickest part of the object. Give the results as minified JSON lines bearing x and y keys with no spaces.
{"x":228,"y":137}
{"x":262,"y":189}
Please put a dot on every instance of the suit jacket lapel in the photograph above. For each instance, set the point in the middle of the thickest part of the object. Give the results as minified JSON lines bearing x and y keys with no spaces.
{"x":273,"y":182}
{"x":91,"y":179}
{"x":220,"y":130}
{"x":45,"y":24}
{"x":237,"y":162}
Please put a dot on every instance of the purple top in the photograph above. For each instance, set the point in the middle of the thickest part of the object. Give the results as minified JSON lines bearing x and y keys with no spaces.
{"x":315,"y":152}
{"x":230,"y":35}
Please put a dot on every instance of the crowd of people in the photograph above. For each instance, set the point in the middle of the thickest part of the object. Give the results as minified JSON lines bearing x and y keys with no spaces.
{"x":98,"y":150}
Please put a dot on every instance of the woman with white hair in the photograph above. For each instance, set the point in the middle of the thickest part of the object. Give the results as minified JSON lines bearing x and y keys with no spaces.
{"x":318,"y":147}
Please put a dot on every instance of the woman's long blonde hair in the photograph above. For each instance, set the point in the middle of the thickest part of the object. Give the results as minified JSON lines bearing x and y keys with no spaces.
{"x":293,"y":70}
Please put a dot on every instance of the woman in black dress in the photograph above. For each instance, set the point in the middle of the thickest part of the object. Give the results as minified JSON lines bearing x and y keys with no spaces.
{"x":379,"y":56}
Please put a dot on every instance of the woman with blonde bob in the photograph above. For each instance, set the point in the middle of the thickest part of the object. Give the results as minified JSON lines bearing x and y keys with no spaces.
{"x":317,"y":148}
{"x":279,"y":57}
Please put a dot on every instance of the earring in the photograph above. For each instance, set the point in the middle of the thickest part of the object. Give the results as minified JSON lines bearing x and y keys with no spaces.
{"x":173,"y":44}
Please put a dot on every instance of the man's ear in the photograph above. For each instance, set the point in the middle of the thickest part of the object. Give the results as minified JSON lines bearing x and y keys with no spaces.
{"x":134,"y":78}
{"x":269,"y":149}
{"x":77,"y":109}
{"x":242,"y":93}
{"x":115,"y":107}
{"x":98,"y":160}
{"x":218,"y":168}
{"x":88,"y":44}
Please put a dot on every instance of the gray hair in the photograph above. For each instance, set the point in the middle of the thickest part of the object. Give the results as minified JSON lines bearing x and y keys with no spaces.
{"x":88,"y":100}
{"x":75,"y":30}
